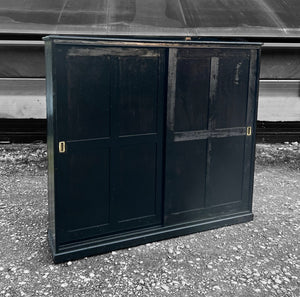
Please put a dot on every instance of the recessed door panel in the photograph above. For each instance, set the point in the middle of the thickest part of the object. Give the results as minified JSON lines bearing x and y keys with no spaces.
{"x":185,"y":178}
{"x":229,"y":107}
{"x":137,"y":94}
{"x":88,"y":96}
{"x":87,"y":194}
{"x":192,"y":91}
{"x":225,"y":172}
{"x":137,"y":197}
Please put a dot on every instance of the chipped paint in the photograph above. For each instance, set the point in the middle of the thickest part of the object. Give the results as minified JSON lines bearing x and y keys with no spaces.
{"x":237,"y":73}
{"x":171,"y":88}
{"x":214,"y":71}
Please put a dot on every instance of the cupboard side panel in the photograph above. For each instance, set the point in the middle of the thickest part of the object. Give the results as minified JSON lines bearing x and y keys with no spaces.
{"x":50,"y":101}
{"x":253,"y":89}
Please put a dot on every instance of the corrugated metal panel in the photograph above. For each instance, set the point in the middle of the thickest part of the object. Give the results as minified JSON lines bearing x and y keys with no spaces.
{"x":256,"y":18}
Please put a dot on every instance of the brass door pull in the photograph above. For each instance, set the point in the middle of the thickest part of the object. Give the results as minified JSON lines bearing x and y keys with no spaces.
{"x":62,"y":147}
{"x":249,"y":131}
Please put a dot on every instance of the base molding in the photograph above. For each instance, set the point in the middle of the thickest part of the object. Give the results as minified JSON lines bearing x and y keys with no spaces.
{"x":106,"y":244}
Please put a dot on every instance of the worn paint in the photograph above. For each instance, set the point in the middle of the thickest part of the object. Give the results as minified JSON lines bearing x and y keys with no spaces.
{"x":237,"y":73}
{"x":204,"y":134}
{"x":214,"y":72}
{"x":171,"y":88}
{"x":145,"y":43}
{"x":253,"y":87}
{"x":108,"y":51}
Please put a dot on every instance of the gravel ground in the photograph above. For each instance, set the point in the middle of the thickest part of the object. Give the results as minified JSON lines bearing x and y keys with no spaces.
{"x":259,"y":258}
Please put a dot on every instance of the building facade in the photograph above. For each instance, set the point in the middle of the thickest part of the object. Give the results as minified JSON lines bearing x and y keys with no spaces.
{"x":24,"y":23}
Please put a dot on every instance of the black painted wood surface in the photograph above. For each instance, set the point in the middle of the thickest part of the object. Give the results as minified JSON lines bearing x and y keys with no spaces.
{"x":156,"y":140}
{"x":207,"y":147}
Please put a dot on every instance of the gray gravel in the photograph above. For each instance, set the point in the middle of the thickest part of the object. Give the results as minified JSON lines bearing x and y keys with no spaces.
{"x":260,"y":258}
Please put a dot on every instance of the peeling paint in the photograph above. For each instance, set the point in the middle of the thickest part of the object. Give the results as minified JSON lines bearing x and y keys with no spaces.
{"x":237,"y":73}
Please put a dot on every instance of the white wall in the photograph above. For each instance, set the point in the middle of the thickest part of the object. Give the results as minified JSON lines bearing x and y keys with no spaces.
{"x":22,"y":98}
{"x":279,"y":100}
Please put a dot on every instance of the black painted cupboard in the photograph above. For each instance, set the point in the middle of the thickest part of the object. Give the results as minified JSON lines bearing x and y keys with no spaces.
{"x":147,"y":140}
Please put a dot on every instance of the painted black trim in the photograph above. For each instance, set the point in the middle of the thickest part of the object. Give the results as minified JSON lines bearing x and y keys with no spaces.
{"x":78,"y":250}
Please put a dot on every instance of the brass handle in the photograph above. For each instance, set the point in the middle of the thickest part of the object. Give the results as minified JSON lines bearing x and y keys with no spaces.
{"x":249,"y":131}
{"x":62,"y":147}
